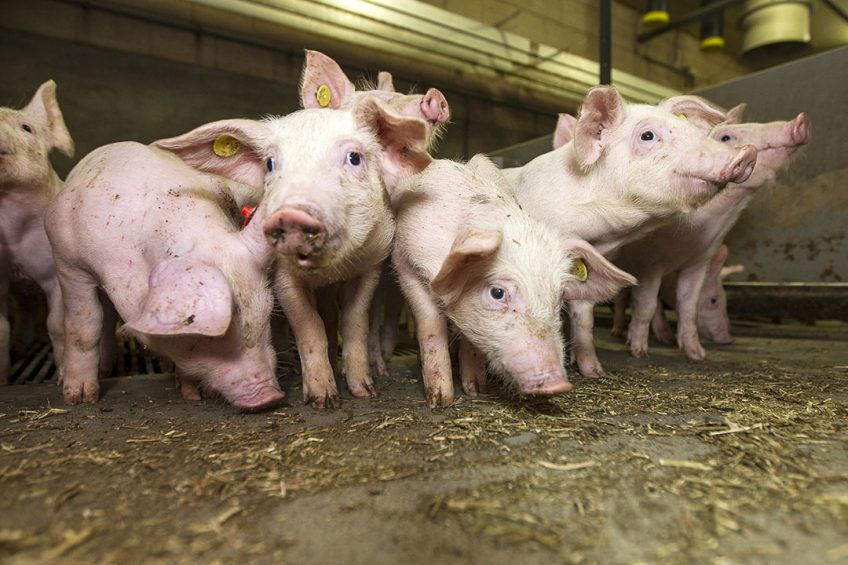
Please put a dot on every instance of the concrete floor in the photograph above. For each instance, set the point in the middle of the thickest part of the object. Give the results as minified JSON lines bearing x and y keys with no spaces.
{"x":739,"y":459}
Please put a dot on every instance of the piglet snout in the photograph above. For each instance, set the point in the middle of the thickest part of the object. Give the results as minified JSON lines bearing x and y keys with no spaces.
{"x":801,"y":130}
{"x":263,"y":398}
{"x":741,"y":167}
{"x":292,"y":231}
{"x":435,"y":107}
{"x":547,"y":384}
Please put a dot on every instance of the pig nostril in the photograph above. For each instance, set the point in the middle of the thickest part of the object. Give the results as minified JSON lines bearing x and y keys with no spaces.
{"x":302,"y":256}
{"x":311,"y":230}
{"x":277,"y":234}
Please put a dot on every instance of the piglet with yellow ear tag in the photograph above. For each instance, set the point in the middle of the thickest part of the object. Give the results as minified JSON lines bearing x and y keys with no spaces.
{"x":465,"y":251}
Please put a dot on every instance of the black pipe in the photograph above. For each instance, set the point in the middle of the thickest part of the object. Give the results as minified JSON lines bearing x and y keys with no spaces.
{"x":690,"y":17}
{"x":606,"y":43}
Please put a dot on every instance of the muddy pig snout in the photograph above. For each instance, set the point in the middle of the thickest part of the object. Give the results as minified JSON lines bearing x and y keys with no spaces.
{"x":549,"y":383}
{"x":293,"y":231}
{"x":435,"y":107}
{"x":741,"y":167}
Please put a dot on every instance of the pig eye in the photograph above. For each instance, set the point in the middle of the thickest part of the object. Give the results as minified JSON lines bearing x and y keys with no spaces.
{"x":647,"y":136}
{"x":354,"y":158}
{"x":270,"y":164}
{"x":713,"y":300}
{"x":27,"y":128}
{"x":497,"y":293}
{"x":725,"y":138}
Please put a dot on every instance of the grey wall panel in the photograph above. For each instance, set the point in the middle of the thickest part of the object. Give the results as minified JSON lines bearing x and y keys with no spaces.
{"x":796,"y":229}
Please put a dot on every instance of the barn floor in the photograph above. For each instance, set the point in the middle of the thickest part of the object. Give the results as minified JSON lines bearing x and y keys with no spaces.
{"x":740,"y":459}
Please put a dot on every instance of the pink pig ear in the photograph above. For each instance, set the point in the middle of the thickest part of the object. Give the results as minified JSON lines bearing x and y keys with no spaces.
{"x":45,"y":107}
{"x":717,"y":261}
{"x":229,"y":148}
{"x":592,"y":277}
{"x":385,"y":82}
{"x":185,"y":298}
{"x":701,"y":112}
{"x":734,"y":115}
{"x":603,"y":109}
{"x":402,"y":138}
{"x":564,"y":131}
{"x":467,"y":248}
{"x":323,"y":83}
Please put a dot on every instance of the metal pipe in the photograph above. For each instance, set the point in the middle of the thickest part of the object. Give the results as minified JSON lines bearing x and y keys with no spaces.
{"x":837,"y":8}
{"x":605,"y":58}
{"x":690,"y":17}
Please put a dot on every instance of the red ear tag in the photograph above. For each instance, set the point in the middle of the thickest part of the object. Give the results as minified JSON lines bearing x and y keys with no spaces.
{"x":247,"y":212}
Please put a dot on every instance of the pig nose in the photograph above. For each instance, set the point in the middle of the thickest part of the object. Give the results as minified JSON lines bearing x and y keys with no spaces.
{"x":435,"y":107}
{"x":741,"y":167}
{"x":293,"y":231}
{"x":547,"y":384}
{"x":801,"y":129}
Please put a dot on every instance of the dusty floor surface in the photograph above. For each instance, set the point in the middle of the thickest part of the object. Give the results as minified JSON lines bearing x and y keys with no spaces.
{"x":739,"y":459}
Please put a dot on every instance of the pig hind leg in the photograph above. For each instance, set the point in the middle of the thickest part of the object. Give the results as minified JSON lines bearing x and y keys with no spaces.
{"x":472,"y":368}
{"x":582,"y":338}
{"x":660,"y":326}
{"x":689,"y":285}
{"x":619,"y":310}
{"x":83,"y":327}
{"x":643,"y":303}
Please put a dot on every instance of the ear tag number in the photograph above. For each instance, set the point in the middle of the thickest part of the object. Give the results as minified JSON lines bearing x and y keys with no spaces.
{"x":324,"y":96}
{"x":226,"y":146}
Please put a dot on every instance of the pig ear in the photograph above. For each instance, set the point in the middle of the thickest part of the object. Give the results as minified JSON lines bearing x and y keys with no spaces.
{"x":603,"y":108}
{"x":467,"y":247}
{"x":730,"y":270}
{"x":385,"y":82}
{"x":402,"y":138}
{"x":734,"y":115}
{"x":483,"y":166}
{"x":592,"y":276}
{"x":323,"y":83}
{"x":717,"y":262}
{"x":564,"y":131}
{"x":229,"y":148}
{"x":701,"y":112}
{"x":185,"y":298}
{"x":45,"y":107}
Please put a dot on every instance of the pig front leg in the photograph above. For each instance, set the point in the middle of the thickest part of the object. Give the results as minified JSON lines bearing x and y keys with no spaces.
{"x":689,"y":285}
{"x":319,"y":384}
{"x":188,"y":387}
{"x":358,"y":295}
{"x":660,"y":326}
{"x":643,"y":304}
{"x":432,"y":332}
{"x":583,"y":344}
{"x":83,"y":326}
{"x":472,"y":368}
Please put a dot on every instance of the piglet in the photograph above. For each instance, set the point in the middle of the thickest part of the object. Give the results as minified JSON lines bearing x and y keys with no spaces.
{"x":627,"y":169}
{"x":27,"y":184}
{"x":465,"y":251}
{"x":327,"y":177}
{"x":687,"y":245}
{"x":159,"y":237}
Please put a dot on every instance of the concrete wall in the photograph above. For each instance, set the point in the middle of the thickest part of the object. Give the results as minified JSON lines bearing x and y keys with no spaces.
{"x":796,"y":229}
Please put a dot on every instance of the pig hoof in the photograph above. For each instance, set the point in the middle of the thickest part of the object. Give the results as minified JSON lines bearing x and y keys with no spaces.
{"x":639,"y":352}
{"x":366,"y":390}
{"x":591,"y":370}
{"x":696,"y":354}
{"x":73,"y":395}
{"x":437,"y":399}
{"x":329,"y":400}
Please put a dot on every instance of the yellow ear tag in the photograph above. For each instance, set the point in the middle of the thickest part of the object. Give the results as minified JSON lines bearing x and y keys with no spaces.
{"x":682,"y":116}
{"x":226,"y":146}
{"x":579,"y":270}
{"x":324,"y":96}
